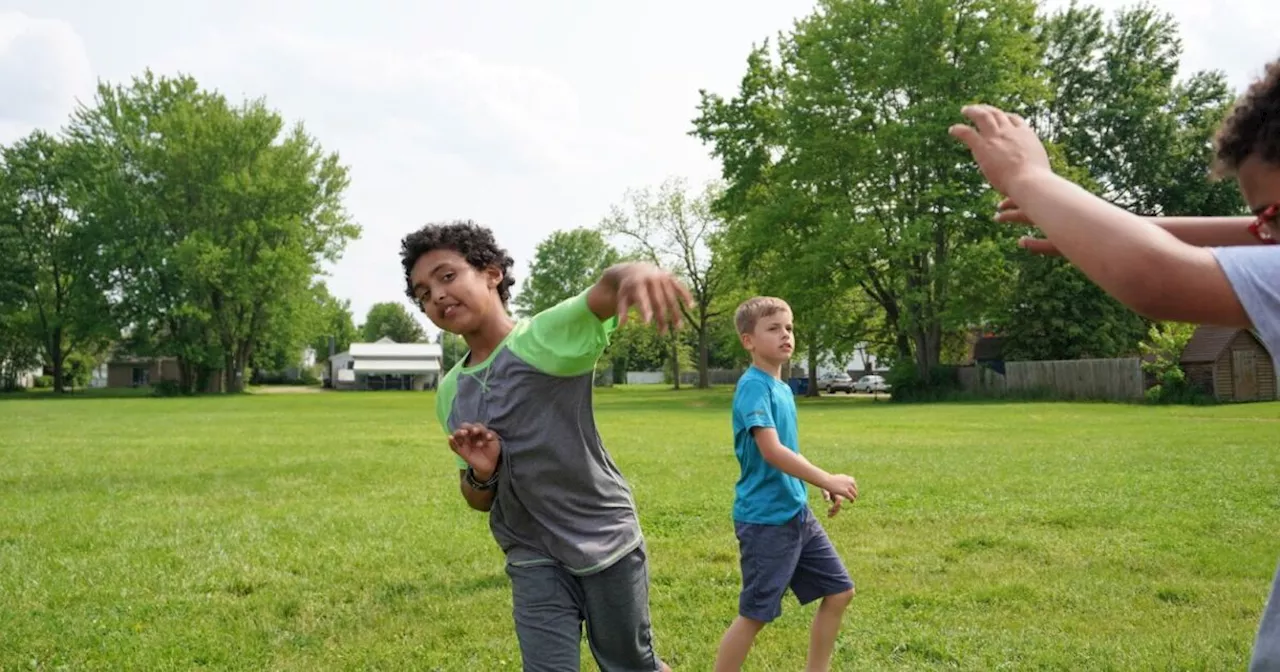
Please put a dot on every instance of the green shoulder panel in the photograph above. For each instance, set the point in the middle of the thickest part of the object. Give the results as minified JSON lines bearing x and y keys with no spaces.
{"x":564,"y":340}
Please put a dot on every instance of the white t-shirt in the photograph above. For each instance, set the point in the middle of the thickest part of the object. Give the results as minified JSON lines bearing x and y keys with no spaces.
{"x":1254,"y":274}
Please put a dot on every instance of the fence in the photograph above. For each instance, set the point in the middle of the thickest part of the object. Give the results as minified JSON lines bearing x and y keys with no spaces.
{"x":717,"y":376}
{"x":1106,"y":379}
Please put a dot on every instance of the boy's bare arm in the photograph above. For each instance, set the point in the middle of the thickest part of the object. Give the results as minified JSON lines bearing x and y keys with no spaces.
{"x":1143,"y":266}
{"x":480,"y":500}
{"x":1197,"y":231}
{"x":788,"y":461}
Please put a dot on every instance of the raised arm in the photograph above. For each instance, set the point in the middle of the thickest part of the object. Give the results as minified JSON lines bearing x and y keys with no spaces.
{"x":1197,"y":231}
{"x":1140,"y":264}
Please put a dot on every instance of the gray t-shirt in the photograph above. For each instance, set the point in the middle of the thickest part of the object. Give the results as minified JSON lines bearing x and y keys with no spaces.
{"x":1254,"y":274}
{"x":560,"y":498}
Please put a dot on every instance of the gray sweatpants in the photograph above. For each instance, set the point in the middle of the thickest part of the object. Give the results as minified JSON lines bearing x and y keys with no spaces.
{"x":1266,"y":649}
{"x":550,"y":606}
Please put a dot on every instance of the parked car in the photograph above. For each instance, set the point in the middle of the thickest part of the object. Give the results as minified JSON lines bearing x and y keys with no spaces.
{"x":841,"y":382}
{"x":871,"y":384}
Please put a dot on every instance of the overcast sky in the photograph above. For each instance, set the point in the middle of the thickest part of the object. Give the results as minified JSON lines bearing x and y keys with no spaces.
{"x":525,"y":116}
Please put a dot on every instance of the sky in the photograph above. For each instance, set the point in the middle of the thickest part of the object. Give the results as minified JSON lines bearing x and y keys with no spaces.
{"x":526,"y":117}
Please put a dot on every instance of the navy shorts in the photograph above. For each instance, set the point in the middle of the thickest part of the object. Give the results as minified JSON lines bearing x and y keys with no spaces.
{"x":797,"y":555}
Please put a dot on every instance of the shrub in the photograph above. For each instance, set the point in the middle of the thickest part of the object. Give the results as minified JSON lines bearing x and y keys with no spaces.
{"x":907,"y":385}
{"x":167,"y":388}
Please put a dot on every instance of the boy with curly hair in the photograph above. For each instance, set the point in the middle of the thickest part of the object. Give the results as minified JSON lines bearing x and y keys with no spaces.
{"x":1208,"y":275}
{"x":517,"y":412}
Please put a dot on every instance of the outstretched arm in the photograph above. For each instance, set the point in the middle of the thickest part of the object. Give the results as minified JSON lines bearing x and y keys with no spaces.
{"x":1142,"y":265}
{"x":1197,"y":231}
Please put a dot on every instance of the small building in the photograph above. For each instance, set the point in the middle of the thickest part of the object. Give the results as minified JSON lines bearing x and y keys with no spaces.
{"x":988,"y":351}
{"x":386,"y":365}
{"x":129,"y":371}
{"x":1230,"y":364}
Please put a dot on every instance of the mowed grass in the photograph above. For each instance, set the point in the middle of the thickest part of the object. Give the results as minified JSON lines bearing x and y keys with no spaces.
{"x":325,"y":532}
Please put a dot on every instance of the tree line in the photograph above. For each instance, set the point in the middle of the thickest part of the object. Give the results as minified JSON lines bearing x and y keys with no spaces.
{"x":166,"y":220}
{"x":842,"y":192}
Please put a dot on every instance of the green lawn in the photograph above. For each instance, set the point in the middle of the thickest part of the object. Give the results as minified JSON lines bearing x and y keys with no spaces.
{"x":325,"y":531}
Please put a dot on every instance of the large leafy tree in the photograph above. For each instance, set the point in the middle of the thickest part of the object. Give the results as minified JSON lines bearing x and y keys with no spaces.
{"x":566,"y":263}
{"x":48,"y":256}
{"x":1137,"y":136}
{"x":391,"y":320}
{"x":212,"y":220}
{"x":838,"y":163}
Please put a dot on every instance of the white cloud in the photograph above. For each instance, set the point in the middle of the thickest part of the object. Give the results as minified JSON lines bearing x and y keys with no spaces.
{"x":44,"y":67}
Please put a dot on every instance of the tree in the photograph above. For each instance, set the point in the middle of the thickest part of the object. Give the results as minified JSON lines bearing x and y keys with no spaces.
{"x":334,"y":321}
{"x":679,"y":232}
{"x":836,"y":151}
{"x":391,"y":320}
{"x":211,"y":220}
{"x":452,"y":349}
{"x":50,"y":250}
{"x":1134,"y":135}
{"x":565,"y":264}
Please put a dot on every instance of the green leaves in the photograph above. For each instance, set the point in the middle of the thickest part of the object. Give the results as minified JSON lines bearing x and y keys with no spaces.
{"x":842,"y":179}
{"x":565,"y":264}
{"x":841,"y":175}
{"x":391,"y":320}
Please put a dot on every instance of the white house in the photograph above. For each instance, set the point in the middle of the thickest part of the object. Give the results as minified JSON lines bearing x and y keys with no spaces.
{"x":386,"y":365}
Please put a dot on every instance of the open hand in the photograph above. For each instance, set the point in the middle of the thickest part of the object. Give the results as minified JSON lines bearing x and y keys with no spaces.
{"x":842,"y":486}
{"x":835,"y":500}
{"x":479,"y":446}
{"x":657,"y":293}
{"x":1005,"y":147}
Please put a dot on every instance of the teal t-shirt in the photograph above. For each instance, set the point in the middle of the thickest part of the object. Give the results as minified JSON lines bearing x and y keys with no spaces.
{"x":764,"y":494}
{"x":560,"y":498}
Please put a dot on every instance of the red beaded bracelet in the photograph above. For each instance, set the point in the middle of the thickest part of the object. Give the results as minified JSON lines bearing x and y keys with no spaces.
{"x":1259,"y":226}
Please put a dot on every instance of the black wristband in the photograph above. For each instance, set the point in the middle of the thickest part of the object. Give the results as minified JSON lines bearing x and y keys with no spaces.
{"x":477,"y":485}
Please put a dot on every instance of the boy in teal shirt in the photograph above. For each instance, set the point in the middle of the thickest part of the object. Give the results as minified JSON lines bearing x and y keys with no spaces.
{"x":517,"y":411}
{"x":782,"y":545}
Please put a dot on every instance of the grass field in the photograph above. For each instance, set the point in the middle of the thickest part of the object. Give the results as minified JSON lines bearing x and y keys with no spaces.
{"x":325,"y":532}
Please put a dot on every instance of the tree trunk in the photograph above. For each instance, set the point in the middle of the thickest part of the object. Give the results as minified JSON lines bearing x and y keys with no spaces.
{"x":704,"y":375}
{"x":675,"y":360}
{"x":813,"y":371}
{"x":56,"y":357}
{"x":928,"y":344}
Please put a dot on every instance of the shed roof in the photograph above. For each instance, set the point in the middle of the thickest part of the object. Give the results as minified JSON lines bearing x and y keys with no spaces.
{"x":396,"y":366}
{"x":390,"y":349}
{"x":1208,"y":343}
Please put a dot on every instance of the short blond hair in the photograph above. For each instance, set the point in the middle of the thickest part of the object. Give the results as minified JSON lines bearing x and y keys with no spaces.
{"x":751,"y":311}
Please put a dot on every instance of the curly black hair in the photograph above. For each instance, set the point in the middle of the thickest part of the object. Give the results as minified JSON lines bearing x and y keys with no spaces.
{"x":474,"y":242}
{"x":1252,"y":127}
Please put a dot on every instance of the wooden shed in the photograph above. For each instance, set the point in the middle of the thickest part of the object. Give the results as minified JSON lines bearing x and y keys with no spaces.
{"x":1230,"y":364}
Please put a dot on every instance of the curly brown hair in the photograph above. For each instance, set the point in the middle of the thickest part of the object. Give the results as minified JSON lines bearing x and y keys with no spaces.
{"x":474,"y":242}
{"x":1253,"y":126}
